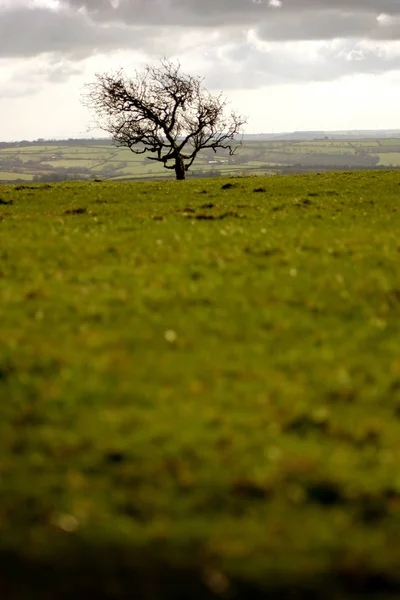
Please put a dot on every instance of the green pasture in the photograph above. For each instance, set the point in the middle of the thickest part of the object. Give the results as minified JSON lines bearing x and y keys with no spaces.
{"x":99,"y":157}
{"x":32,"y":148}
{"x":90,"y":154}
{"x":322,"y":142}
{"x":322,"y":149}
{"x":26,"y":157}
{"x":367,"y":144}
{"x":67,"y":163}
{"x":390,"y":158}
{"x":200,"y":387}
{"x":7,"y":176}
{"x":389,"y":142}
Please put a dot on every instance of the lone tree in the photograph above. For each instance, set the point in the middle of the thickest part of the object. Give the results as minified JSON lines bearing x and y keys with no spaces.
{"x":165,"y":113}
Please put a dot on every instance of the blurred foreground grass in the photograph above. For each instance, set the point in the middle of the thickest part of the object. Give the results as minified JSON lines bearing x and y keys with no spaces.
{"x":200,"y":388}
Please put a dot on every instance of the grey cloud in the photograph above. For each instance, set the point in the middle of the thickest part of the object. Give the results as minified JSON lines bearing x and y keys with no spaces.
{"x":350,"y":17}
{"x":29,"y":32}
{"x":23,"y":82}
{"x":323,"y":25}
{"x":84,"y":28}
{"x":247,"y":66}
{"x":192,"y":13}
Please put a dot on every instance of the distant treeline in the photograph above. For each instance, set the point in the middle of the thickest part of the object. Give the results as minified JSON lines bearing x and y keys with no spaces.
{"x":43,"y":142}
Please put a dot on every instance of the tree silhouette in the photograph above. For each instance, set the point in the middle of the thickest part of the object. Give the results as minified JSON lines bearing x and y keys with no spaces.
{"x":164,"y":113}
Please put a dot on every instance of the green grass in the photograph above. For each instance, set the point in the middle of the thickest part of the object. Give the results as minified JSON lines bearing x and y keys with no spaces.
{"x":68,"y":163}
{"x":26,"y":156}
{"x":367,"y":144}
{"x":321,"y":147}
{"x":200,"y":388}
{"x":390,"y":158}
{"x":32,"y":148}
{"x":389,"y":142}
{"x":8,"y":176}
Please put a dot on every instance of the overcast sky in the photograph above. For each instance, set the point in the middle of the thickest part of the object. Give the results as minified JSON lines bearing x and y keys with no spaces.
{"x":287,"y":64}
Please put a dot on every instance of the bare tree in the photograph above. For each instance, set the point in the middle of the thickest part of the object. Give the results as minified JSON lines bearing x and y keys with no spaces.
{"x":165,"y":113}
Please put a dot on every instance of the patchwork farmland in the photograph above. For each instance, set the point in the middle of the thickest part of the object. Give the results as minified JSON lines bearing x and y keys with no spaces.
{"x":91,"y":159}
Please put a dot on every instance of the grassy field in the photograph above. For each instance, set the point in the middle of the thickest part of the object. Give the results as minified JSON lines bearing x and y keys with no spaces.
{"x":200,"y":387}
{"x":12,"y":176}
{"x":392,"y":159}
{"x":90,"y":159}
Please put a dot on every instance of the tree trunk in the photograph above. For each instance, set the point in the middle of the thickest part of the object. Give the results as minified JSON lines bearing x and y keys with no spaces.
{"x":180,"y":168}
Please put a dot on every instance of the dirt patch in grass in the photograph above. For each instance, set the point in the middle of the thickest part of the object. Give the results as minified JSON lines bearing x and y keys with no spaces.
{"x":76,"y":211}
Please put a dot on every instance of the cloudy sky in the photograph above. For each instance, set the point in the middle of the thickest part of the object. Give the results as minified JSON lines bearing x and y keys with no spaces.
{"x":287,"y":64}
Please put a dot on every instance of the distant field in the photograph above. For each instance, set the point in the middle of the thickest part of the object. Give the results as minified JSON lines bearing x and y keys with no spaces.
{"x":370,"y":144}
{"x":389,"y":142}
{"x":89,"y":160}
{"x":390,"y":159}
{"x":5,"y":176}
{"x":200,"y":389}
